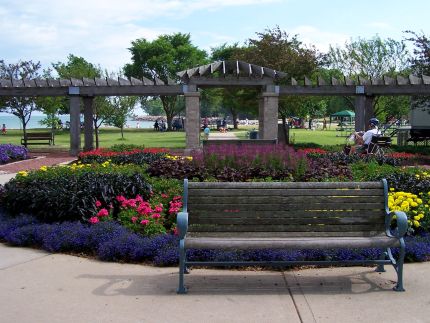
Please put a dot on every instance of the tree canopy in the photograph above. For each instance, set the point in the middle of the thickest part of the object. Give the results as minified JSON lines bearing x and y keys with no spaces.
{"x":162,"y":58}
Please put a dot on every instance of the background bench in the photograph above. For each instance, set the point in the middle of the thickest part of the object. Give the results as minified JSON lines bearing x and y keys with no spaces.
{"x":280,"y":215}
{"x":38,"y":138}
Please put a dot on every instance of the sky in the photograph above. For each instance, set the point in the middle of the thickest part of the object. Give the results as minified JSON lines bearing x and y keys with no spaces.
{"x":102,"y":31}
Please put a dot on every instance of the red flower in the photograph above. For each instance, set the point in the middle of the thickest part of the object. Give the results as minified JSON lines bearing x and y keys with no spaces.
{"x":94,"y":220}
{"x":144,"y":222}
{"x":103,"y":212}
{"x":98,"y":203}
{"x":164,"y":195}
{"x":156,"y":216}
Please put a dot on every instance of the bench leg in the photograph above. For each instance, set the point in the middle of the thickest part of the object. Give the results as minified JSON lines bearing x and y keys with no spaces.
{"x":380,"y":268}
{"x":399,"y":267}
{"x":181,"y":288}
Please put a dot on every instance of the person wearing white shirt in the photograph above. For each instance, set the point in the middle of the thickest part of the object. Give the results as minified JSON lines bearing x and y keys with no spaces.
{"x":363,"y":140}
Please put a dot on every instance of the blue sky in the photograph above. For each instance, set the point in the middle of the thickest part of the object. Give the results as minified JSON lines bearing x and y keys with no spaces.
{"x":101,"y":31}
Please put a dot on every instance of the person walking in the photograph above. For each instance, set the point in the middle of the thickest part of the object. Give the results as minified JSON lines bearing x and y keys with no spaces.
{"x":3,"y":129}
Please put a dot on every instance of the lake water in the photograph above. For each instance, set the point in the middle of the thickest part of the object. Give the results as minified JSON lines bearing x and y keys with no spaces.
{"x":13,"y":122}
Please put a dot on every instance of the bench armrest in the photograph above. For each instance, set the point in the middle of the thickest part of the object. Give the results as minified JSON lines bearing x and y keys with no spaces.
{"x":182,"y":224}
{"x":401,"y":224}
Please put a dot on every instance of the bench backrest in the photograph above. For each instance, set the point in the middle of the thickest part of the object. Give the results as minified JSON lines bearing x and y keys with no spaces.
{"x":38,"y":135}
{"x":268,"y":209}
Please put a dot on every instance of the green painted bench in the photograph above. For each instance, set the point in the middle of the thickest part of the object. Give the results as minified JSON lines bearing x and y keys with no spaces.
{"x":37,"y":138}
{"x":290,"y":215}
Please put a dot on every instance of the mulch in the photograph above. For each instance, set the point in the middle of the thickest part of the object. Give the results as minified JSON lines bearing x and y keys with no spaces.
{"x":36,"y":161}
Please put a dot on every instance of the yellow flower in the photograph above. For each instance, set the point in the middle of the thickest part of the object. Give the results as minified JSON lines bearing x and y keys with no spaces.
{"x":43,"y":168}
{"x":416,"y":223}
{"x":421,"y":215}
{"x":23,"y":173}
{"x":391,"y":189}
{"x":417,"y":217}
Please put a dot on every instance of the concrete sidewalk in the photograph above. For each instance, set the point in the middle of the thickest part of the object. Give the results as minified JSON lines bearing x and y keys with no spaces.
{"x":42,"y":287}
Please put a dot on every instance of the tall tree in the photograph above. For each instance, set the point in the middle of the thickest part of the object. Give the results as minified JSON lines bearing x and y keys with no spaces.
{"x":78,"y":67}
{"x":163,"y":58}
{"x":22,"y":107}
{"x":276,"y":49}
{"x":420,"y":61}
{"x":372,"y":58}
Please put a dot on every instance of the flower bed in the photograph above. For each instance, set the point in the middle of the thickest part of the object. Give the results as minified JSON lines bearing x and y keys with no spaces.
{"x":127,"y":200}
{"x":110,"y":241}
{"x":9,"y":153}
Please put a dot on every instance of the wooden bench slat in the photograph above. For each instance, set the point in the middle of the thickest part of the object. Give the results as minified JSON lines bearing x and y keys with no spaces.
{"x":283,"y":199}
{"x":292,"y":243}
{"x":282,"y":185}
{"x":289,"y":221}
{"x":285,"y":228}
{"x":230,"y":208}
{"x":275,"y":235}
{"x":285,"y":192}
{"x":286,"y":214}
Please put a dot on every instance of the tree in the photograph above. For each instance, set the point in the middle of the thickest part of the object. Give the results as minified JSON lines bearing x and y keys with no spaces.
{"x":22,"y":107}
{"x":163,"y":58}
{"x":420,"y":62}
{"x":152,"y":106}
{"x":372,"y":58}
{"x":78,"y":67}
{"x":122,"y":108}
{"x":276,"y":49}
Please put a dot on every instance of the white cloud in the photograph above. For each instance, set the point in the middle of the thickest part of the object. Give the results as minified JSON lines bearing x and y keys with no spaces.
{"x":321,"y":39}
{"x":379,"y":25}
{"x":48,"y":30}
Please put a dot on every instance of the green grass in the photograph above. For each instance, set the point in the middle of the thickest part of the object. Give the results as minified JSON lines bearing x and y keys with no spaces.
{"x":299,"y":136}
{"x":109,"y":137}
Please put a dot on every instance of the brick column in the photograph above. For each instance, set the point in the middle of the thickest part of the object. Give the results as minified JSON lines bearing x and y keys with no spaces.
{"x":75,"y":125}
{"x":192,"y":124}
{"x":88,"y":123}
{"x":268,"y":115}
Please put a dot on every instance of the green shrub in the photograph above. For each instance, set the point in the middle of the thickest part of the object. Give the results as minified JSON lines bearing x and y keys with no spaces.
{"x":371,"y":171}
{"x":69,"y":193}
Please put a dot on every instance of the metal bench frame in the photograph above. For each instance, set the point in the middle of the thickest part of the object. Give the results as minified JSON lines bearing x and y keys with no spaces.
{"x":324,"y":239}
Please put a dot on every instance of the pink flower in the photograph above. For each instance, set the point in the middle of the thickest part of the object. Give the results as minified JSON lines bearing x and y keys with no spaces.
{"x":156,"y":216}
{"x":120,"y":198}
{"x":139,"y":198}
{"x":176,"y":231}
{"x":158,"y":209}
{"x":134,"y":219}
{"x":144,"y":222}
{"x":103,"y":212}
{"x":94,"y":220}
{"x":177,"y":198}
{"x":98,"y":203}
{"x":163,"y":195}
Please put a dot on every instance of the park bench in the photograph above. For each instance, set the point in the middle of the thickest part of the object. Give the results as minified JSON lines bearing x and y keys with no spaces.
{"x":38,"y":138}
{"x":290,"y":215}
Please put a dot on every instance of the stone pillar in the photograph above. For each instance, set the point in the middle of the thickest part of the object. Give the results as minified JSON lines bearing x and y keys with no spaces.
{"x":268,"y":116}
{"x":192,"y":124}
{"x":363,"y":111}
{"x":88,"y":123}
{"x":260,"y":116}
{"x":75,"y":125}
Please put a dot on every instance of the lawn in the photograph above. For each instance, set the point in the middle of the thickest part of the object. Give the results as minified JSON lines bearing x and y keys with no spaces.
{"x":320,"y":137}
{"x":109,"y":137}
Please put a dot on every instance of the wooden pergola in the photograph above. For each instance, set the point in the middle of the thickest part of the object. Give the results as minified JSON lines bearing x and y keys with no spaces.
{"x":218,"y":74}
